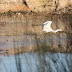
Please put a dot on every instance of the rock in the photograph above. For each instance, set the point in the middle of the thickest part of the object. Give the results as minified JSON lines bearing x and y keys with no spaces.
{"x":33,"y":5}
{"x":41,"y":5}
{"x":64,"y":3}
{"x":13,"y":5}
{"x":18,"y":13}
{"x":47,"y":5}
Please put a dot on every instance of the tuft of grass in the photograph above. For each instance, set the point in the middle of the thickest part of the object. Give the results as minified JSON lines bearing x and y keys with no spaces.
{"x":9,"y":13}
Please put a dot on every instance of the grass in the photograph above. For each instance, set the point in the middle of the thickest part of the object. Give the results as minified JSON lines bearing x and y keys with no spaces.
{"x":9,"y":13}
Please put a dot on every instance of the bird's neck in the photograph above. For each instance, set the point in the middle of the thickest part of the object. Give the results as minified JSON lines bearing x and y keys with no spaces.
{"x":58,"y":30}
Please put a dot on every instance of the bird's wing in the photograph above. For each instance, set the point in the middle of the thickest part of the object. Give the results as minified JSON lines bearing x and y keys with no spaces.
{"x":46,"y":26}
{"x":49,"y":23}
{"x":49,"y":26}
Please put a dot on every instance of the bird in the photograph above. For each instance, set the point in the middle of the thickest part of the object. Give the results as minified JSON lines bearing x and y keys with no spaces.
{"x":46,"y":27}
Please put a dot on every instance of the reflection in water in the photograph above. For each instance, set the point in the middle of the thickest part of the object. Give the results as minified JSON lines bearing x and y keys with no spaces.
{"x":34,"y":62}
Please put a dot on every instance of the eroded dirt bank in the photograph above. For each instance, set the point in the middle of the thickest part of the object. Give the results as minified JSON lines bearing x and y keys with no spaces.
{"x":23,"y":33}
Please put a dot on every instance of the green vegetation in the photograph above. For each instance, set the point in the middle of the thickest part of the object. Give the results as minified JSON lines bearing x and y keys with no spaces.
{"x":8,"y":13}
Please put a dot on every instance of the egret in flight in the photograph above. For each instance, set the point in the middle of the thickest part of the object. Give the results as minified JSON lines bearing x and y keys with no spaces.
{"x":47,"y":27}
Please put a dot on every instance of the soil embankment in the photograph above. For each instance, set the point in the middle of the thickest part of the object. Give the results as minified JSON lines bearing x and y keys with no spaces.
{"x":23,"y":32}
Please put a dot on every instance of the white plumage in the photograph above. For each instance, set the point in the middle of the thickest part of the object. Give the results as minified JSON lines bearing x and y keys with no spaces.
{"x":47,"y":27}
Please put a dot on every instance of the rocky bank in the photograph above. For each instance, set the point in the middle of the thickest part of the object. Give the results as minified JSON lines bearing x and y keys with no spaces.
{"x":36,"y":5}
{"x":23,"y":33}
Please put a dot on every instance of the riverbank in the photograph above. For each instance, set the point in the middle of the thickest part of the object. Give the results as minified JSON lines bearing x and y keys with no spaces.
{"x":22,"y":32}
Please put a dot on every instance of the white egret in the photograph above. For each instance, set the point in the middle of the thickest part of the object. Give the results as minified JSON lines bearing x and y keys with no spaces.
{"x":47,"y":27}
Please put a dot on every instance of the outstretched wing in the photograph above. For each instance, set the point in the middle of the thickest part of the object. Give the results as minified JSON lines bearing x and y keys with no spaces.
{"x":46,"y":26}
{"x":49,"y":26}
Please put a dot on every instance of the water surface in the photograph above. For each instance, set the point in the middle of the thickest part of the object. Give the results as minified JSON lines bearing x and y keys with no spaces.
{"x":35,"y":62}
